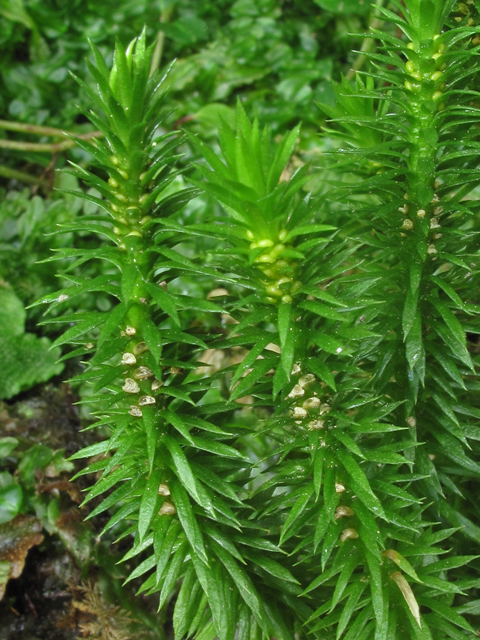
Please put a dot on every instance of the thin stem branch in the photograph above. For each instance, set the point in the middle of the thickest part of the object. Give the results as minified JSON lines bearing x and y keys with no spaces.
{"x":47,"y":147}
{"x":34,"y":129}
{"x":368,"y":43}
{"x":158,"y":51}
{"x":21,"y":176}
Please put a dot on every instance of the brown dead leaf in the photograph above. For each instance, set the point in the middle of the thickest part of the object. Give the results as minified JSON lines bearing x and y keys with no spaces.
{"x":17,"y":537}
{"x":61,"y":485}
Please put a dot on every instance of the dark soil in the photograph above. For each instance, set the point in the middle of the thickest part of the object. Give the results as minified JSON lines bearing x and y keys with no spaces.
{"x":70,"y":586}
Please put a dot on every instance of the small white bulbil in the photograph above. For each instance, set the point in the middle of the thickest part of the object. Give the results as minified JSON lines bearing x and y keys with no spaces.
{"x":298,"y":412}
{"x":307,"y":380}
{"x":156,"y":384}
{"x":296,"y":392}
{"x":62,"y":297}
{"x":216,"y":293}
{"x":431,"y":249}
{"x":130,"y":331}
{"x":311,"y":403}
{"x":407,"y":224}
{"x":342,"y":512}
{"x":421,"y":213}
{"x":434,"y":223}
{"x":139,"y":348}
{"x":316,"y":424}
{"x":135,"y":411}
{"x":349,"y":534}
{"x":163,"y":490}
{"x":129,"y":358}
{"x":89,"y":345}
{"x":167,"y":509}
{"x":130,"y":386}
{"x":411,"y":422}
{"x":339,"y":488}
{"x":143,"y":401}
{"x":142,"y":373}
{"x":324,"y":408}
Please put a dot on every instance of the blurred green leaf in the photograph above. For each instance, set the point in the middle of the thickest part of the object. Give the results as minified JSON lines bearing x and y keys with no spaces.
{"x":7,"y":445}
{"x":344,"y":6}
{"x":10,"y":501}
{"x":37,"y":457}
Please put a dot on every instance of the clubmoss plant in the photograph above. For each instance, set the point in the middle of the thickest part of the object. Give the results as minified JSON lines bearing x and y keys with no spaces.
{"x":325,"y":508}
{"x":175,"y":481}
{"x":365,"y":468}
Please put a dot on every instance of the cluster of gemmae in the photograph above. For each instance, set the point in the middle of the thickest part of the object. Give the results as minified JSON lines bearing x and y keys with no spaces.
{"x":307,"y":408}
{"x":137,"y":384}
{"x":426,"y":68}
{"x":130,"y":201}
{"x":275,"y":261}
{"x":310,"y":411}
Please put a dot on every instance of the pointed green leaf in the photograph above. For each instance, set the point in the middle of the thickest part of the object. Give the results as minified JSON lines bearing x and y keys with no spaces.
{"x":188,"y":520}
{"x":360,"y":483}
{"x":296,"y":511}
{"x":164,"y":301}
{"x":321,"y":370}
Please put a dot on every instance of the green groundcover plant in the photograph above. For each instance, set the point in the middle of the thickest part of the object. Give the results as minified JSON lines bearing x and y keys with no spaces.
{"x":324,"y":481}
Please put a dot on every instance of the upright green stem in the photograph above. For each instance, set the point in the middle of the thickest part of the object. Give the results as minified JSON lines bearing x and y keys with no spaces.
{"x":424,"y":87}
